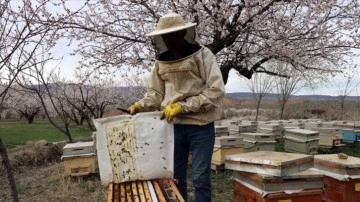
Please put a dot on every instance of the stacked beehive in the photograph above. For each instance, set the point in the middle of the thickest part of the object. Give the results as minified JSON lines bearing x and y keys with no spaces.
{"x":225,"y":144}
{"x":79,"y":158}
{"x":301,"y":141}
{"x":240,"y":128}
{"x":271,"y":128}
{"x":266,"y":176}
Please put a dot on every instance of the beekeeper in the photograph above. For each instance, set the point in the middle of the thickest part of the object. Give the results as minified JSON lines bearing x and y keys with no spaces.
{"x":186,"y":85}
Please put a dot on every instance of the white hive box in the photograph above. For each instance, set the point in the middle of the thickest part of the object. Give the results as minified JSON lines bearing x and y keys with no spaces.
{"x":308,"y":179}
{"x":271,"y":126}
{"x":79,"y":148}
{"x":258,"y":142}
{"x":221,"y":131}
{"x":258,"y":137}
{"x":298,"y":146}
{"x":301,"y":141}
{"x":295,"y":125}
{"x":253,"y":124}
{"x":269,"y":162}
{"x":301,"y":134}
{"x":228,"y":141}
{"x":229,"y":123}
{"x":243,"y":128}
{"x":259,"y":146}
{"x":276,"y":133}
{"x":309,"y":125}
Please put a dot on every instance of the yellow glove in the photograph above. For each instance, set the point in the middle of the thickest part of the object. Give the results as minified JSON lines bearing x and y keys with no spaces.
{"x":170,"y":111}
{"x":135,"y":108}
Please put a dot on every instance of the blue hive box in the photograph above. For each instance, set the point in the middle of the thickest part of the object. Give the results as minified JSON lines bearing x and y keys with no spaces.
{"x":349,"y":135}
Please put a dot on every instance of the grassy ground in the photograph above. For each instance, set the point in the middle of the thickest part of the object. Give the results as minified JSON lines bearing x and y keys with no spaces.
{"x":18,"y":133}
{"x":48,"y":183}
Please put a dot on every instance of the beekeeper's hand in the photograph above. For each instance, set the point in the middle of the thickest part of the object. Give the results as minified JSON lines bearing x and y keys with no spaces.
{"x":170,"y":111}
{"x":135,"y":108}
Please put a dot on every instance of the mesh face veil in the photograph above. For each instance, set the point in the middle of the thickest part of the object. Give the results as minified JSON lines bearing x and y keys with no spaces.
{"x":172,"y":23}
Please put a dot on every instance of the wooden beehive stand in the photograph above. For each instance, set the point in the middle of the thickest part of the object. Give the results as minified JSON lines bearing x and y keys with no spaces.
{"x":164,"y":190}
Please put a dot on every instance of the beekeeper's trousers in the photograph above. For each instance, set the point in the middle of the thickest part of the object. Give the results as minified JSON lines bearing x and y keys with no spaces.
{"x":199,"y":141}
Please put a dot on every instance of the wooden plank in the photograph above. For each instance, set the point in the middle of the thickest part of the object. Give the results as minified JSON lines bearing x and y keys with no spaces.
{"x":146,"y":191}
{"x":116,"y":193}
{"x":135,"y":192}
{"x":122,"y":192}
{"x":110,"y":192}
{"x":158,"y":191}
{"x":176,"y":191}
{"x":141,"y":191}
{"x":128,"y":191}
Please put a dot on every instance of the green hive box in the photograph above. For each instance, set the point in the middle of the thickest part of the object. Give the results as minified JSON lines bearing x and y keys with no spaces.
{"x":305,"y":147}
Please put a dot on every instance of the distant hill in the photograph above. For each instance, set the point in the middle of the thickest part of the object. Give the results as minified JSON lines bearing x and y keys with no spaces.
{"x":249,"y":96}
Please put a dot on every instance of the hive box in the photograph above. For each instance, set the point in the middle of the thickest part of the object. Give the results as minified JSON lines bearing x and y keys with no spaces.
{"x":228,"y":141}
{"x":221,"y":131}
{"x":276,"y":133}
{"x":250,"y":146}
{"x":269,"y":162}
{"x":258,"y":142}
{"x":144,"y":190}
{"x":298,"y":146}
{"x":257,"y":137}
{"x":349,"y":136}
{"x":302,"y":134}
{"x":342,"y":177}
{"x":242,"y":128}
{"x":247,"y":193}
{"x":78,"y":148}
{"x":219,"y":153}
{"x":308,"y":179}
{"x":79,"y":158}
{"x":331,"y":140}
{"x":83,"y":164}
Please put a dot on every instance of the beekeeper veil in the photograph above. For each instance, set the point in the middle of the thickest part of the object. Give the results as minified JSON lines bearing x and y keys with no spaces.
{"x":172,"y":22}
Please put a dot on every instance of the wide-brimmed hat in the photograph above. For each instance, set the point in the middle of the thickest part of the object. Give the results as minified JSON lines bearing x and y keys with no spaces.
{"x":171,"y":22}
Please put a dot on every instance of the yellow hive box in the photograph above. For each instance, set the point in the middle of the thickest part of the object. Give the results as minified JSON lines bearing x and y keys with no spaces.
{"x":79,"y":165}
{"x":330,"y":140}
{"x":218,"y":157}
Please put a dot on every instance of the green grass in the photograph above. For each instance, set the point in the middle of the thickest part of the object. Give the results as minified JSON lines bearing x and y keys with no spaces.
{"x":18,"y":133}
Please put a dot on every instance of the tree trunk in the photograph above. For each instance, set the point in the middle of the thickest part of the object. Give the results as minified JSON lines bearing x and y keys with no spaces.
{"x":5,"y":161}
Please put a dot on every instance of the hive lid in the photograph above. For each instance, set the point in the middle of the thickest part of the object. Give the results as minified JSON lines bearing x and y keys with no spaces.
{"x":268,"y":157}
{"x":269,"y":162}
{"x":332,"y":159}
{"x":79,"y":145}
